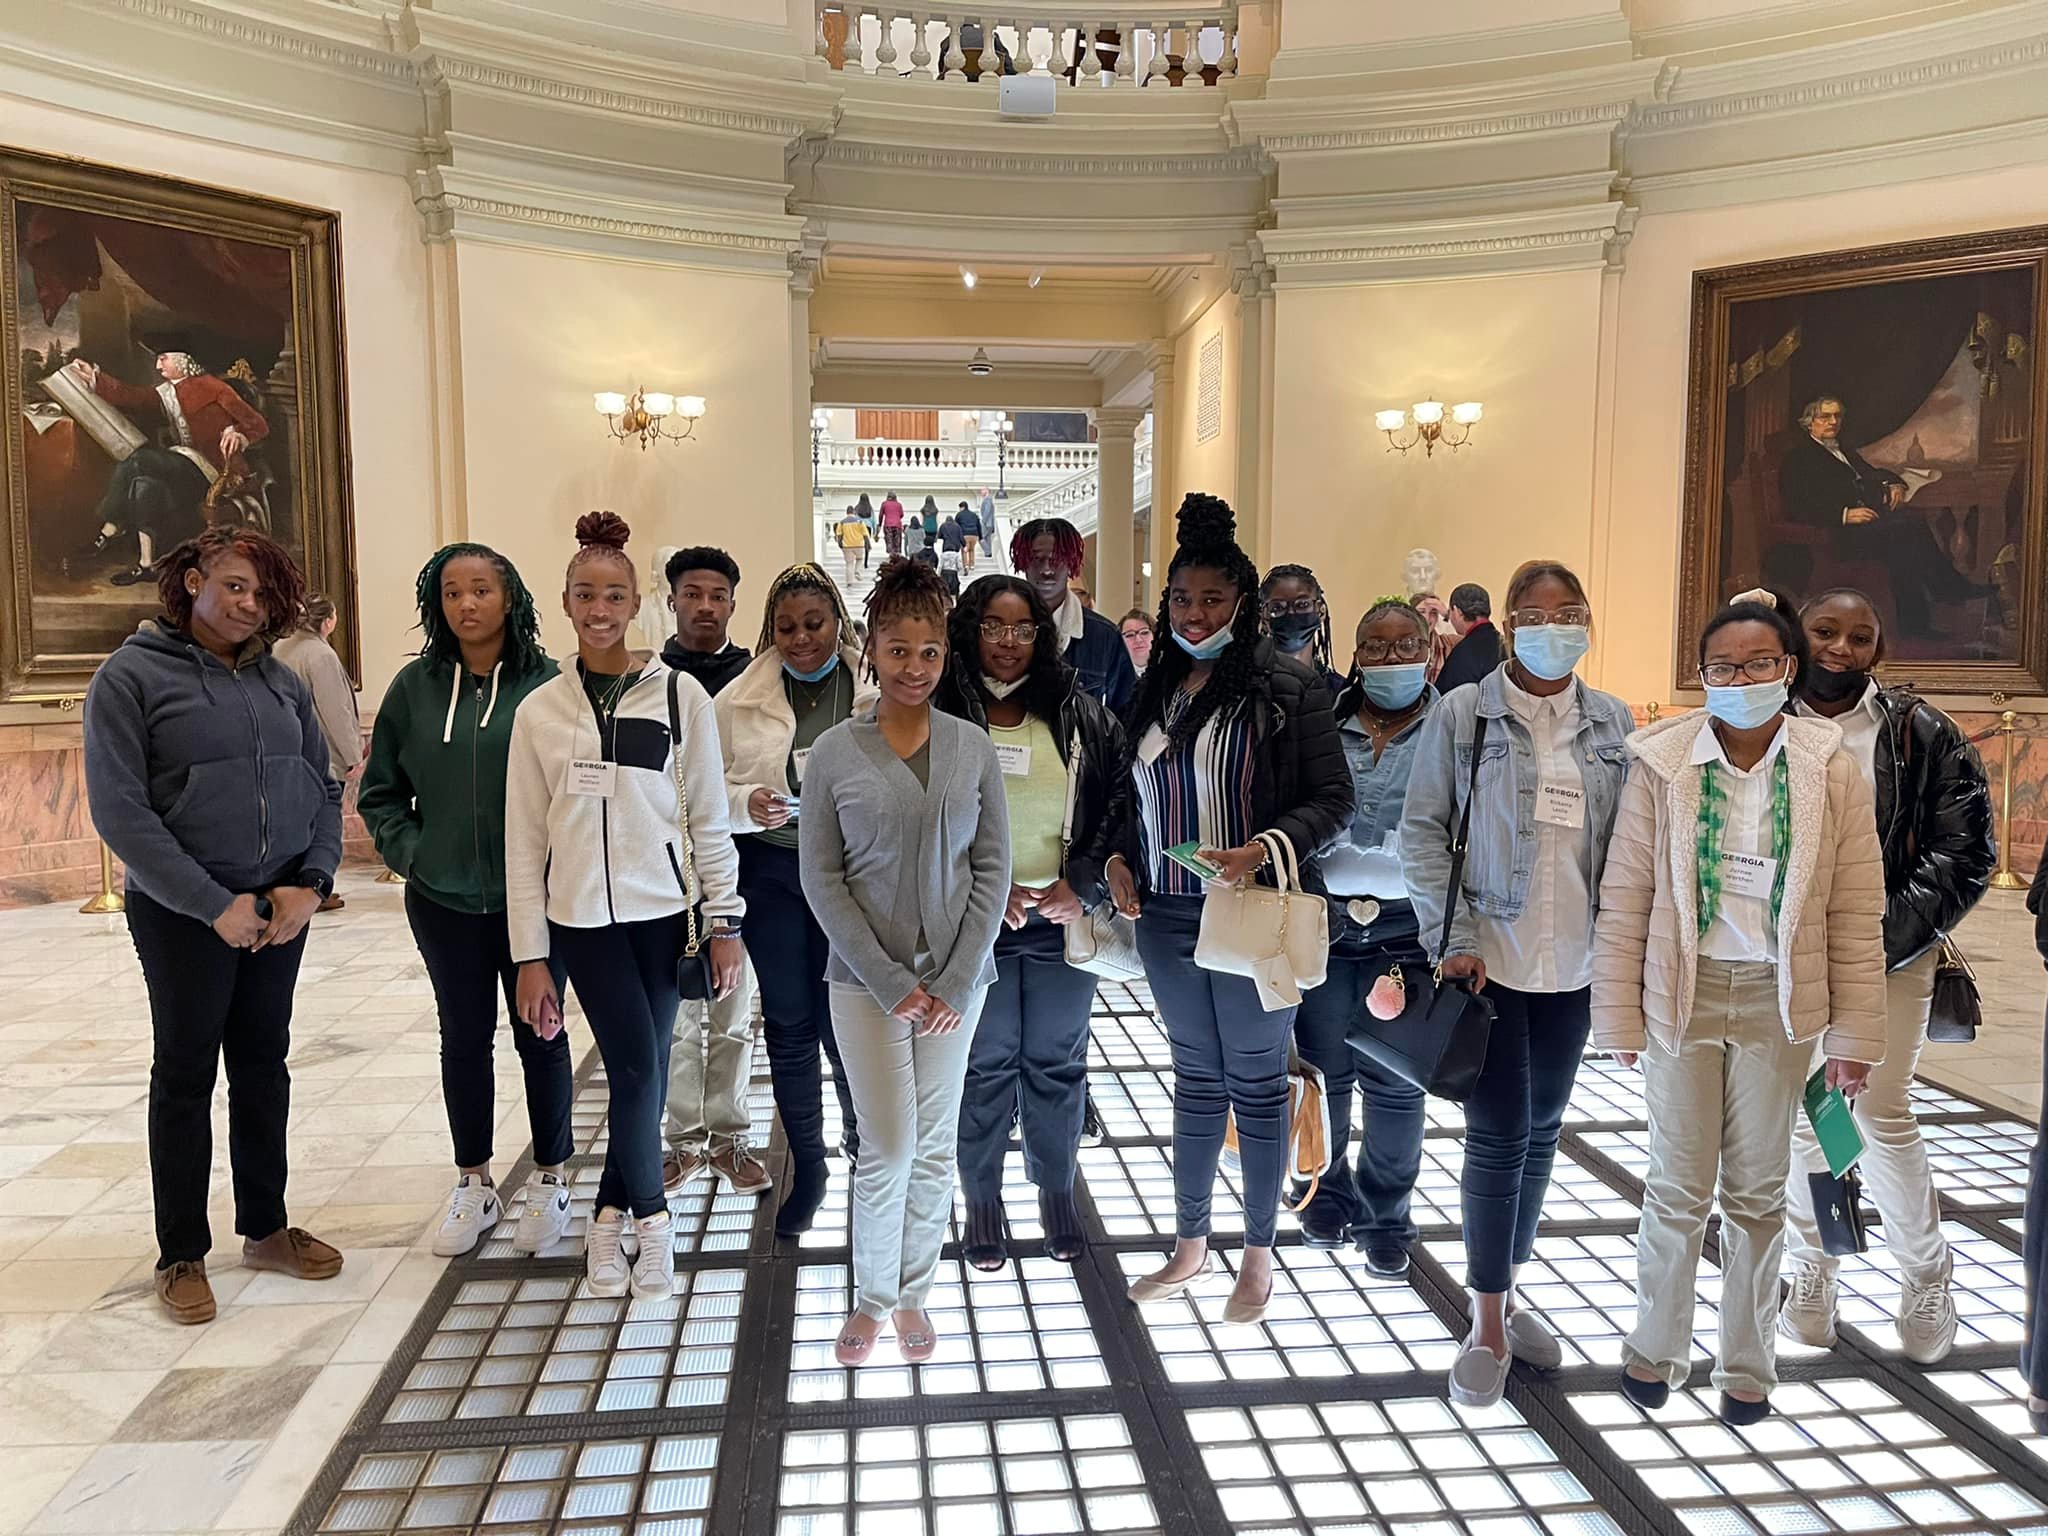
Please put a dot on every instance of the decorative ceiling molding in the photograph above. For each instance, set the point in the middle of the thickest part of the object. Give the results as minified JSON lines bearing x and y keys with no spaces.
{"x":1558,"y":240}
{"x":1241,"y":161}
{"x":1607,"y":114}
{"x":439,"y":69}
{"x":370,"y":55}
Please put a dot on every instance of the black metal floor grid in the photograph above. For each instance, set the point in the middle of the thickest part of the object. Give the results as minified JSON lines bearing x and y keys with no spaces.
{"x":519,"y":1405}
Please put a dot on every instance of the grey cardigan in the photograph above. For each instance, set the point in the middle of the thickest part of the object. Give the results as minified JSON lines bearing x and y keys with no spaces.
{"x":882,"y":861}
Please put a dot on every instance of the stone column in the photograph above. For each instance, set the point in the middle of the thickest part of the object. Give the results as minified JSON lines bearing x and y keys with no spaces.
{"x":1253,"y":280}
{"x":1166,"y":487}
{"x":803,"y":279}
{"x":1115,"y":579}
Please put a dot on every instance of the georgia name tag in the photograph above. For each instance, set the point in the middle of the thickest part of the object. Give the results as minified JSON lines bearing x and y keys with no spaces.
{"x":799,"y":757}
{"x":1014,"y":758}
{"x":1561,"y":805}
{"x":589,"y":776}
{"x":1748,"y":874}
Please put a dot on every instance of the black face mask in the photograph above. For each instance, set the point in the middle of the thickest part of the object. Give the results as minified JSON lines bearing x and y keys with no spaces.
{"x":1293,"y":631}
{"x":1833,"y":687}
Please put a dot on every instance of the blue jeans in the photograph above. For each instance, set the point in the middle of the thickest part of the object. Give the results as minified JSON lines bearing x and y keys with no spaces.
{"x":1229,"y":1057}
{"x":1370,"y":1203}
{"x":2034,"y":1351}
{"x":1029,"y":1064}
{"x":1511,"y":1125}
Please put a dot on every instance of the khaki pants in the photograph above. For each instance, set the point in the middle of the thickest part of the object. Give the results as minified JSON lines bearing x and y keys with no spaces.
{"x":1721,"y":1115}
{"x":709,"y":1066}
{"x":1894,"y":1166}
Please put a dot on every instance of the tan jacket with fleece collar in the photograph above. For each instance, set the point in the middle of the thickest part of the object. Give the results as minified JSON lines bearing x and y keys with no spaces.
{"x":1830,"y":927}
{"x":757,"y":727}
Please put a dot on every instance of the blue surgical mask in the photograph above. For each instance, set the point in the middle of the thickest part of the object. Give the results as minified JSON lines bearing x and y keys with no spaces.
{"x":1394,"y":686}
{"x":814,"y":677}
{"x":1747,"y":708}
{"x":1551,"y":651}
{"x":1215,"y":645}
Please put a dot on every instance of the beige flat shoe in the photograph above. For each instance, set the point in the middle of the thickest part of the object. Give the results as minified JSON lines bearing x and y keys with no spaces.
{"x":1235,"y":1311}
{"x":1149,"y":1289}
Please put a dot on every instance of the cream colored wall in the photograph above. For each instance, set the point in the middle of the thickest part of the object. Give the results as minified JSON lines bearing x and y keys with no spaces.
{"x":384,"y":295}
{"x":1349,"y":23}
{"x":1210,"y":466}
{"x":541,"y":330}
{"x":1525,"y":346}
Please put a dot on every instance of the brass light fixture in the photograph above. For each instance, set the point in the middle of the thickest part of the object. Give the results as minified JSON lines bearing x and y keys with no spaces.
{"x":647,"y":416}
{"x":1425,"y":423}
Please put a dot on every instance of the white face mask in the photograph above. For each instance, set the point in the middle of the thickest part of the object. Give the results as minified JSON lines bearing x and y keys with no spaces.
{"x":1000,"y":691}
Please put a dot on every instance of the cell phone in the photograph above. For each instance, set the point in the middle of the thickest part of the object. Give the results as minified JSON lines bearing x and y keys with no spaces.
{"x":792,"y":803}
{"x":1184,"y":854}
{"x":263,"y":908}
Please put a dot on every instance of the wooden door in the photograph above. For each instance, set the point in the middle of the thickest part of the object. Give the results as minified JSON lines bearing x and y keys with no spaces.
{"x":898,"y":426}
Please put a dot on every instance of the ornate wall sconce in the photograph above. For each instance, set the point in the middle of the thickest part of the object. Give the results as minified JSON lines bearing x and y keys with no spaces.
{"x":1425,"y":424}
{"x":649,"y":416}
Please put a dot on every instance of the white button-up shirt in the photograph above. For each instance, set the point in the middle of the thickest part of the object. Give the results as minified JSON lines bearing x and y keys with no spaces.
{"x":1742,"y":928}
{"x":1549,"y":948}
{"x":1860,"y":727}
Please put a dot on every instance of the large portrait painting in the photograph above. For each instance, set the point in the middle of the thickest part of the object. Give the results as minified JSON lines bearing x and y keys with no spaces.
{"x":1878,"y":419}
{"x":173,"y":359}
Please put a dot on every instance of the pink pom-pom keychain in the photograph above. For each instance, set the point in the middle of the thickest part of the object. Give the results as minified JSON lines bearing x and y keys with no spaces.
{"x":1389,"y":995}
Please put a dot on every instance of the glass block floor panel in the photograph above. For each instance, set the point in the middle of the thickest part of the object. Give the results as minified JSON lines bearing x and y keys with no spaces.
{"x":1980,"y":1163}
{"x":1606,"y":1093}
{"x":545,"y":1345}
{"x":705,"y":1218}
{"x":1021,"y":1328}
{"x":967,"y":1477}
{"x":1135,"y":1103}
{"x":1327,"y":1318}
{"x":1116,"y":1041}
{"x":1412,"y":1464}
{"x":1997,"y":1397}
{"x":1835,"y":1455}
{"x":652,"y":1486}
{"x":1987,"y":1283}
{"x":591,"y":1122}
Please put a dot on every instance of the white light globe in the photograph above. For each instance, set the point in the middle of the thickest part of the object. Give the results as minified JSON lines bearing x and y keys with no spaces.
{"x":1466,"y":413}
{"x":610,"y":402}
{"x":1390,"y":421}
{"x":1429,"y":412}
{"x":657,"y":404}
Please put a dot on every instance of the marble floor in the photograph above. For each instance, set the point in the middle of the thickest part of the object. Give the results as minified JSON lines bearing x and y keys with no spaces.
{"x":495,"y":1396}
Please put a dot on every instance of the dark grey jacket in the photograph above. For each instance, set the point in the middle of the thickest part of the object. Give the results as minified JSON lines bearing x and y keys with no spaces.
{"x":207,"y":780}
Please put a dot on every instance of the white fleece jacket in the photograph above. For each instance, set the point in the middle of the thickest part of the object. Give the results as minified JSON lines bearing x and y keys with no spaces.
{"x":757,"y":727}
{"x":584,"y":860}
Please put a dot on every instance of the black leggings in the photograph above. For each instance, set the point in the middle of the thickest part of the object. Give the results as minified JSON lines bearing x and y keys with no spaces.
{"x":469,"y":960}
{"x":626,"y":977}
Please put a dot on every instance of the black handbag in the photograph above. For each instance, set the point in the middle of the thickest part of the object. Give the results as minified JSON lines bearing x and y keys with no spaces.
{"x":1955,"y":1010}
{"x":693,"y":965}
{"x":1838,"y":1212}
{"x":1438,"y":1041}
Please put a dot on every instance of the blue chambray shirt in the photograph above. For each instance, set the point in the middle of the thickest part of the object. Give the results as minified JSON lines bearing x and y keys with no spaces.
{"x":1382,"y":786}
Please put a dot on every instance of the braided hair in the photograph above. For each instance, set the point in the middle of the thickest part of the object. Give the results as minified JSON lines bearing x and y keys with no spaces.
{"x":1320,"y":649}
{"x":1068,"y":546}
{"x":1207,"y":539}
{"x":1382,"y":606}
{"x":906,"y":589}
{"x":1048,"y":679}
{"x":601,"y":536}
{"x":807,"y":577}
{"x":283,"y":587}
{"x":521,"y":651}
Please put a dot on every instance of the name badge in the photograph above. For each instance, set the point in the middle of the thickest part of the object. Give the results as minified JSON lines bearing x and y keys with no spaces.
{"x":1152,"y":745}
{"x":587,"y":776}
{"x":1748,"y":874}
{"x":798,"y":758}
{"x":1561,"y":805}
{"x":1014,"y":758}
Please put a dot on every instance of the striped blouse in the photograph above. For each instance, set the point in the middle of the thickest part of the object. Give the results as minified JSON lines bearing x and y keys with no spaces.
{"x":1200,"y":790}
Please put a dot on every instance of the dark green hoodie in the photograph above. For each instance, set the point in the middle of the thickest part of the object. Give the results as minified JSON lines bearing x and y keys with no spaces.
{"x":433,"y":793}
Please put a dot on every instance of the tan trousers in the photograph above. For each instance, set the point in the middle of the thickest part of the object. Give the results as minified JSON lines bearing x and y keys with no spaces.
{"x":1720,"y":1119}
{"x":709,"y":1066}
{"x":1894,"y":1166}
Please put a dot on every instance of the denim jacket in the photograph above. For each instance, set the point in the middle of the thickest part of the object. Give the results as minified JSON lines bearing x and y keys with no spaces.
{"x":1501,"y":848}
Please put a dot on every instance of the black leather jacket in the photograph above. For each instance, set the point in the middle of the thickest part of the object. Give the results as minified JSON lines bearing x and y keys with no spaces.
{"x":2037,"y":903}
{"x":1099,"y":798}
{"x":1934,"y":819}
{"x":1301,"y":784}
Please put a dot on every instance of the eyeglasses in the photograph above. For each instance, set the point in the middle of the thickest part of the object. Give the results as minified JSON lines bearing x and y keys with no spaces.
{"x":1407,"y":648}
{"x":1133,"y":633}
{"x":1758,"y":669}
{"x":1279,"y":608}
{"x":995,"y":633}
{"x":1529,"y":618}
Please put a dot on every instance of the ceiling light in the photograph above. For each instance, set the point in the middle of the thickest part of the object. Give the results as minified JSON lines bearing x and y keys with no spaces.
{"x":967,"y":276}
{"x":1425,"y":424}
{"x":979,"y":365}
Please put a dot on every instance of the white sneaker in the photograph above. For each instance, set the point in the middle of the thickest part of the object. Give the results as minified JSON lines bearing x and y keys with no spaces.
{"x":654,"y":1271}
{"x":1927,"y":1321}
{"x":1808,"y":1315}
{"x":544,"y":1216}
{"x":604,"y":1267}
{"x":472,"y":1211}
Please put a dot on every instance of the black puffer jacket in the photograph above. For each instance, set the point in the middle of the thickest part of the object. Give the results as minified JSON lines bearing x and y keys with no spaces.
{"x":2037,"y":903}
{"x":1301,"y":785}
{"x":1100,"y":796}
{"x":1934,"y":818}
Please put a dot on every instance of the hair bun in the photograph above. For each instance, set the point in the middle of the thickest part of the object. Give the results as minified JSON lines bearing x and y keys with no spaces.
{"x":1205,"y":521}
{"x":605,"y":529}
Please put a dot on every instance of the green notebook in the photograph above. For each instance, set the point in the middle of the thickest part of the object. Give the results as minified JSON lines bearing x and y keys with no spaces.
{"x":1833,"y":1124}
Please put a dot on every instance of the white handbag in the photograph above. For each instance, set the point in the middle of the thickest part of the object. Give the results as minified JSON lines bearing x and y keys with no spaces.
{"x":1278,"y":935}
{"x":1104,"y":942}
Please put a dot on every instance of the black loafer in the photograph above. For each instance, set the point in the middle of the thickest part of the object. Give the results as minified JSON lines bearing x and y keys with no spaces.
{"x":1644,"y":1394}
{"x":1389,"y":1261}
{"x":1323,"y":1229}
{"x":1738,"y":1413}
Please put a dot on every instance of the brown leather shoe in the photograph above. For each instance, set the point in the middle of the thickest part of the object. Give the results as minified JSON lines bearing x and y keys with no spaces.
{"x":678,"y":1168}
{"x":183,"y":1290}
{"x":733,"y":1161}
{"x":332,"y":904}
{"x":293,"y":1251}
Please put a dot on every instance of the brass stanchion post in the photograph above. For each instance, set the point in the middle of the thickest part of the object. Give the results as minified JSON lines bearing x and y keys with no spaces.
{"x":2005,"y":879}
{"x":390,"y":877}
{"x":109,"y":899}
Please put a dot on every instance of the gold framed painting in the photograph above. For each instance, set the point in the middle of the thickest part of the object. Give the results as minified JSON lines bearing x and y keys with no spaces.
{"x":173,"y":358}
{"x":1878,"y":419}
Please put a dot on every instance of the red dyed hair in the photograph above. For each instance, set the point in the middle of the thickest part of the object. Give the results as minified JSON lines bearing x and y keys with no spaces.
{"x":284,"y":588}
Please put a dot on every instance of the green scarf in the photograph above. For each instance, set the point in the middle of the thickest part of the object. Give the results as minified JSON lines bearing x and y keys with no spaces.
{"x":1713,"y":825}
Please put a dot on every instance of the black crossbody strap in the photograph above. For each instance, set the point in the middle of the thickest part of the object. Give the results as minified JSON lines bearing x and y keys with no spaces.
{"x":1458,"y":842}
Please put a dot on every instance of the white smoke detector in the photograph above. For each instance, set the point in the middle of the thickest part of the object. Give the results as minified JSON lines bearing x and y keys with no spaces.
{"x":979,"y":365}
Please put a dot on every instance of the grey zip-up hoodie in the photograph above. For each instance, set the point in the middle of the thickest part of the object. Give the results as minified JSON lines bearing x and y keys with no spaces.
{"x":207,"y":780}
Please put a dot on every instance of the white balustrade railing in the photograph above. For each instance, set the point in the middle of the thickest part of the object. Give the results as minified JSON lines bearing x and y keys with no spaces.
{"x":1122,"y":45}
{"x":1061,"y":457}
{"x":891,"y":453}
